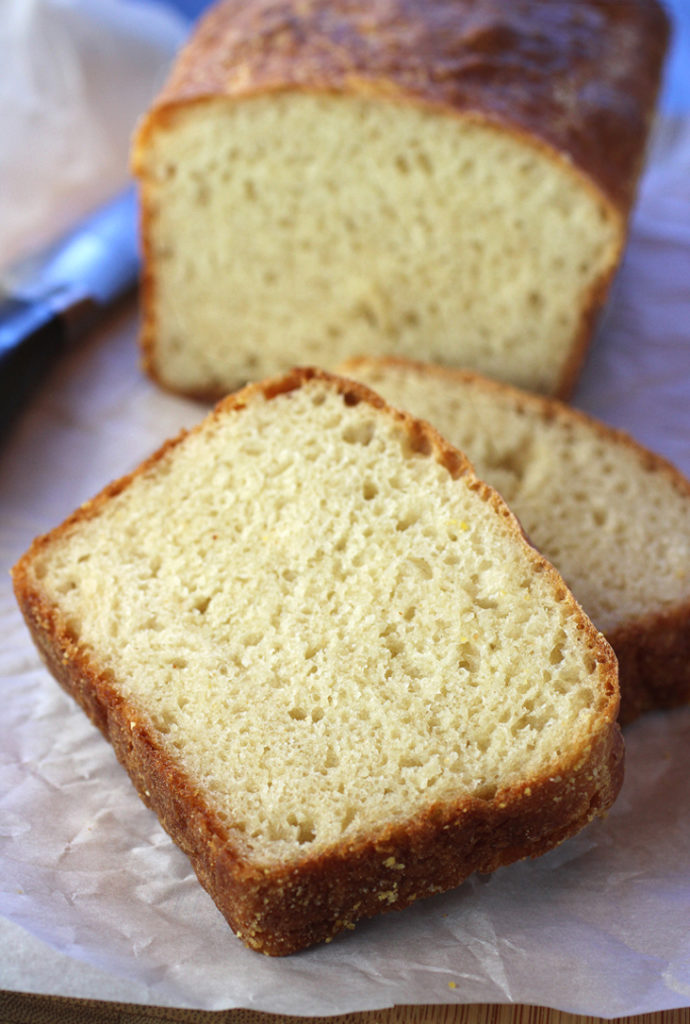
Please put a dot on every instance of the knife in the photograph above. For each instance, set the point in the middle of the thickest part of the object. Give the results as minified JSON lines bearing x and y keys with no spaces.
{"x":52,"y":299}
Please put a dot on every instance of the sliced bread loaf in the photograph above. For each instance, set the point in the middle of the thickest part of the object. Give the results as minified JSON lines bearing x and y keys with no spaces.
{"x":444,"y":180}
{"x":328,"y":658}
{"x":613,"y":517}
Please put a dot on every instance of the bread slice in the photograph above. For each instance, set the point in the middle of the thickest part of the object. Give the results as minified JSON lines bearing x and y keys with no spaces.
{"x":448,"y":181}
{"x":612,"y":516}
{"x":328,"y":658}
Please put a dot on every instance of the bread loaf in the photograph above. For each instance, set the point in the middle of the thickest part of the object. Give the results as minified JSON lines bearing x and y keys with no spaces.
{"x":612,"y":516}
{"x":448,"y":180}
{"x":328,"y":658}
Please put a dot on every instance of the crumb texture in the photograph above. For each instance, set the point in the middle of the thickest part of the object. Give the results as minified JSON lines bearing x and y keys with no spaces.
{"x":302,"y":228}
{"x":326,"y":629}
{"x":611,"y":517}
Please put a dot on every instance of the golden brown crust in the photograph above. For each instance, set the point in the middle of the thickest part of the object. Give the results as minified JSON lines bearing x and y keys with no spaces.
{"x":281,"y":908}
{"x":147,"y":285}
{"x":653,"y":651}
{"x":580,"y":75}
{"x":654,"y":663}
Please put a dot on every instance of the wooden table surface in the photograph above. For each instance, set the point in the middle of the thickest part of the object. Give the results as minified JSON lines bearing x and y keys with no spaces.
{"x":20,"y":1008}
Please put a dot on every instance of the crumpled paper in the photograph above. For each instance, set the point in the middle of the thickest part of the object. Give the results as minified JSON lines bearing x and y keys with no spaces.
{"x":74,"y":77}
{"x":599,"y":926}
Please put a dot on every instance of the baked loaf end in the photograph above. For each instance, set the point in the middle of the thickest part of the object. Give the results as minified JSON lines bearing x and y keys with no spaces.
{"x":442,"y":180}
{"x":613,"y":517}
{"x":328,"y":658}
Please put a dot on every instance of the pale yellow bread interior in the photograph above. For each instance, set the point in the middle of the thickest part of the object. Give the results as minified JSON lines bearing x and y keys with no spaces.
{"x":300,"y":227}
{"x":612,"y":517}
{"x":326,"y":628}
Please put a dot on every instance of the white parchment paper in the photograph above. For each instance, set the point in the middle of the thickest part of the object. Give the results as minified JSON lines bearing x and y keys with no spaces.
{"x":74,"y":77}
{"x":600,"y":926}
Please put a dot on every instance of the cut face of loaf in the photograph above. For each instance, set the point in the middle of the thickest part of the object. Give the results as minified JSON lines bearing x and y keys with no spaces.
{"x":613,"y":517}
{"x":328,"y":658}
{"x":434,"y":180}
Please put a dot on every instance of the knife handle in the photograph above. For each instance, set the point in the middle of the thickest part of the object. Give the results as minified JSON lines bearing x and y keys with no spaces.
{"x":32,"y":336}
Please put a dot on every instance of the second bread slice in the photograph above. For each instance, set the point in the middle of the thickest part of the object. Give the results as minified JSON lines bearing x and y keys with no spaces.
{"x":328,"y":658}
{"x":613,"y":517}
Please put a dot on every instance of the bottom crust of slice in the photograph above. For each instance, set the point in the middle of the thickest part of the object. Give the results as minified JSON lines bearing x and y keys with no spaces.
{"x":278,"y":909}
{"x":653,"y":663}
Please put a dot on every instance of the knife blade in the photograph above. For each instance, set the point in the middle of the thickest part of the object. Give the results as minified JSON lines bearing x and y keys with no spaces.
{"x":52,"y":299}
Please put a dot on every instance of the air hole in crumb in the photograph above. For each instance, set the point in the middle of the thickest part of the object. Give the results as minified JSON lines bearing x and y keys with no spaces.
{"x":358,"y":433}
{"x":72,"y":627}
{"x":348,"y":817}
{"x":394,"y":645}
{"x":363,"y":311}
{"x":406,"y":522}
{"x":556,"y":656}
{"x":305,"y":833}
{"x":417,"y":443}
{"x":422,"y":566}
{"x":165,"y":721}
{"x":487,"y":791}
{"x":424,"y":163}
{"x":468,"y":662}
{"x":369,"y":490}
{"x":587,"y":697}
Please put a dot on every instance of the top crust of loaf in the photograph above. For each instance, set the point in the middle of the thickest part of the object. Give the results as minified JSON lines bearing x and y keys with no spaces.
{"x":581,"y":76}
